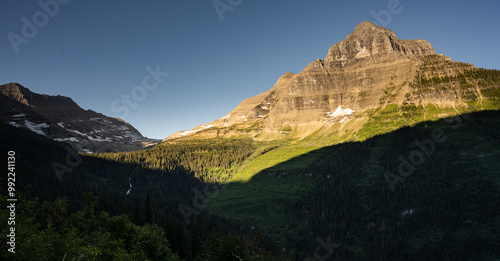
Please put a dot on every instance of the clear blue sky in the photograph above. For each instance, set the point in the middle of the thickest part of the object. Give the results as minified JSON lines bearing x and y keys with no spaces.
{"x":95,"y":51}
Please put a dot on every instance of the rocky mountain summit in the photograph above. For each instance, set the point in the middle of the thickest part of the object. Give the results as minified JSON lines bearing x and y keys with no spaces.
{"x":373,"y":41}
{"x":61,"y":119}
{"x":369,"y":77}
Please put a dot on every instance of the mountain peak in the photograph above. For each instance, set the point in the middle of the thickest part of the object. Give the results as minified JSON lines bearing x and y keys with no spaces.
{"x":61,"y":119}
{"x":12,"y":87}
{"x":15,"y":91}
{"x":366,"y":77}
{"x":372,"y":41}
{"x":24,"y":95}
{"x":368,"y":27}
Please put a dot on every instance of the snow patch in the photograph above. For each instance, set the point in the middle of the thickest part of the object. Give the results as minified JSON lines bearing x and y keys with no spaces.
{"x":77,"y":132}
{"x":73,"y":139}
{"x":99,"y":138}
{"x":226,"y":117}
{"x":36,"y":128}
{"x":204,"y":127}
{"x":19,"y":115}
{"x":184,"y":133}
{"x":60,"y":124}
{"x":340,"y":112}
{"x":87,"y":151}
{"x":14,"y":124}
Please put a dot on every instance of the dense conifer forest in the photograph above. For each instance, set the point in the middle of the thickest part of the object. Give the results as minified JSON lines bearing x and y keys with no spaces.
{"x":427,"y":192}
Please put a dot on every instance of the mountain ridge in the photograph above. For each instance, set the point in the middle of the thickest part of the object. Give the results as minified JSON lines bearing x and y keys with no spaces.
{"x":369,"y":70}
{"x":60,"y":118}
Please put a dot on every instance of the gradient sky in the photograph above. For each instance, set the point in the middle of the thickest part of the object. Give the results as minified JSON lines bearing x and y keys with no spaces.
{"x":97,"y":51}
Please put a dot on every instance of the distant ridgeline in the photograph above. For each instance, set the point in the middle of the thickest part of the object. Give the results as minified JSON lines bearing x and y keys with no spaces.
{"x":61,"y":119}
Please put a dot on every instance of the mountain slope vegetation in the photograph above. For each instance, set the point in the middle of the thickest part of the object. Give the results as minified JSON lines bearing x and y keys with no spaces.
{"x":428,"y":191}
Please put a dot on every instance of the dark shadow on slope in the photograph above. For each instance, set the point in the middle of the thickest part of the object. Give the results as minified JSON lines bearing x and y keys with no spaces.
{"x":108,"y":180}
{"x":356,"y":198}
{"x":428,"y":192}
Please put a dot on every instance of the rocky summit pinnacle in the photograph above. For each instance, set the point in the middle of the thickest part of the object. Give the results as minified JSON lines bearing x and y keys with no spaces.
{"x":369,"y":40}
{"x":368,"y":27}
{"x":371,"y":78}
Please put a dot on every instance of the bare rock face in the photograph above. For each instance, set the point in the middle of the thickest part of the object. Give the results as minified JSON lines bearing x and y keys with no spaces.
{"x":372,"y":41}
{"x":61,"y":119}
{"x":369,"y":70}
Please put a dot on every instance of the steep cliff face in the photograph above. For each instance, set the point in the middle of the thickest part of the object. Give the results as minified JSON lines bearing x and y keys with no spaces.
{"x":368,"y":71}
{"x":61,"y":119}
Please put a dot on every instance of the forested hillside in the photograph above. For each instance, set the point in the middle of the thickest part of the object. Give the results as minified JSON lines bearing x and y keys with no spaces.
{"x":53,"y":177}
{"x":430,"y":191}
